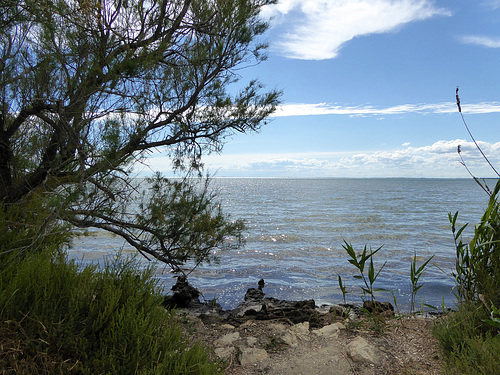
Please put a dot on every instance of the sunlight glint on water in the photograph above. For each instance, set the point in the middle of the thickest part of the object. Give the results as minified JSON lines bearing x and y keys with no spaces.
{"x":296,"y":227}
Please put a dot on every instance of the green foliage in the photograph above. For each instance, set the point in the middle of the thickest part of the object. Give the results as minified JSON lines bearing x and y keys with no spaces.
{"x":30,"y":226}
{"x":477,"y":270}
{"x":360,"y":262}
{"x":370,"y":275}
{"x":58,"y":318}
{"x":342,"y":286}
{"x":463,"y":270}
{"x":395,"y":300}
{"x":494,"y":319}
{"x":471,"y":336}
{"x":415,"y":274}
{"x":189,"y":221}
{"x":89,"y":88}
{"x":469,"y":349}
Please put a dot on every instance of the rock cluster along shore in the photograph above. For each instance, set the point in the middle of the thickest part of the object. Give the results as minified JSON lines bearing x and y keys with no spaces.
{"x":295,"y":322}
{"x":257,"y":306}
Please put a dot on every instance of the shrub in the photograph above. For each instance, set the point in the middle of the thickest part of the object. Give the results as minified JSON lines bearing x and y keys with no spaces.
{"x":477,"y":271}
{"x":470,"y":336}
{"x":58,"y":318}
{"x":468,"y":348}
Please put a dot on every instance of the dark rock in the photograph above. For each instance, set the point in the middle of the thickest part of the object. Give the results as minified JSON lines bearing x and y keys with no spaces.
{"x":259,"y":307}
{"x":254,"y":295}
{"x":378,"y":307}
{"x":339,"y":311}
{"x":438,"y":314}
{"x":255,"y":306}
{"x":184,"y":295}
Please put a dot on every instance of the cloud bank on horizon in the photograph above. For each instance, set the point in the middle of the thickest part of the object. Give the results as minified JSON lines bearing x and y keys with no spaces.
{"x":317,"y":29}
{"x":439,"y":160}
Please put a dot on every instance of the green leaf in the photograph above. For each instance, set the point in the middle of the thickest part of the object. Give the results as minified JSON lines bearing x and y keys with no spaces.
{"x":341,"y":284}
{"x":353,"y":262}
{"x":350,"y":251}
{"x":495,"y":322}
{"x":371,"y":272}
{"x":421,"y":268}
{"x":376,"y":251}
{"x":460,"y":231}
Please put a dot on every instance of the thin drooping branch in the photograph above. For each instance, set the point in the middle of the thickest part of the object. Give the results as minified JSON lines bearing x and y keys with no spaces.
{"x":484,"y":187}
{"x":472,"y":137}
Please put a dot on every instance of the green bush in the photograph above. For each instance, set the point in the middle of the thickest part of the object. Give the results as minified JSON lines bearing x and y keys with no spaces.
{"x":477,"y":271}
{"x":471,"y":335}
{"x":468,"y":347}
{"x":29,"y":226}
{"x":58,"y":318}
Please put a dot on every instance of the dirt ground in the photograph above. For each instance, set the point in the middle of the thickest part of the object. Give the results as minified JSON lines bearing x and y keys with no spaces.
{"x":403,"y":345}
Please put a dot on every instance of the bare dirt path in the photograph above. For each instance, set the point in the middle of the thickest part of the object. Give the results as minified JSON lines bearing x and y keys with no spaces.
{"x":401,"y":345}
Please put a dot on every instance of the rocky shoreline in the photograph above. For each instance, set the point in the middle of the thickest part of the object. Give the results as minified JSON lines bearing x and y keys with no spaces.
{"x":272,"y":336}
{"x":257,"y":306}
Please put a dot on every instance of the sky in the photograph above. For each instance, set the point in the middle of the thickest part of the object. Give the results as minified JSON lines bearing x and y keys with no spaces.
{"x":369,"y":91}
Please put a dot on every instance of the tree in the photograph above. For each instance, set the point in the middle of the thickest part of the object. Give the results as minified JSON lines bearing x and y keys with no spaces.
{"x":90,"y":87}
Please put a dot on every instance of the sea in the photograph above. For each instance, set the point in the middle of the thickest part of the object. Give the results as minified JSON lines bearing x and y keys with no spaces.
{"x":296,"y":229}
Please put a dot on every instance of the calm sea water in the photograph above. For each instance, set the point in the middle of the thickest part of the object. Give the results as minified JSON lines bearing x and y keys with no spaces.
{"x":296,"y":228}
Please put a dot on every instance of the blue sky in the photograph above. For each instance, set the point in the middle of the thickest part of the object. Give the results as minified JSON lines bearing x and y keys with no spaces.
{"x":369,"y":91}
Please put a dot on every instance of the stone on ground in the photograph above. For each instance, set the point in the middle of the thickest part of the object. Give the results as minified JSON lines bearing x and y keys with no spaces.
{"x":361,"y":351}
{"x":228,"y":339}
{"x":225,"y":353}
{"x":330,"y":331}
{"x":252,"y":355}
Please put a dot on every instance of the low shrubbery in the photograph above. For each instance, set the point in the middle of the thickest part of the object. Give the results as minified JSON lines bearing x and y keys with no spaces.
{"x":56,"y":317}
{"x":469,"y":347}
{"x":471,"y":335}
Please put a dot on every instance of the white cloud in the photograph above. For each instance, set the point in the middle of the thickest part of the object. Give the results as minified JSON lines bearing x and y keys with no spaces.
{"x":482,"y":41}
{"x":439,"y":159}
{"x":492,"y":4}
{"x":317,"y":29}
{"x":303,"y":109}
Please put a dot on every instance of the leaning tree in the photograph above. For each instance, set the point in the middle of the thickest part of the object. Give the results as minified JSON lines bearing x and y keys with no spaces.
{"x":89,"y":87}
